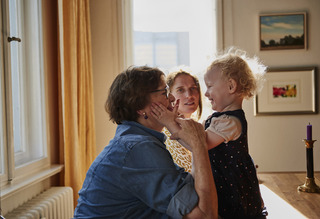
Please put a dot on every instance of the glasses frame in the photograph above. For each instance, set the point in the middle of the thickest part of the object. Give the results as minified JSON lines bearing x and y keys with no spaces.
{"x":166,"y":89}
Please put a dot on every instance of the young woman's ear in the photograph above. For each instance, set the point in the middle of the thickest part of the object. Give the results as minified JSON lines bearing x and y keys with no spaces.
{"x":232,"y":86}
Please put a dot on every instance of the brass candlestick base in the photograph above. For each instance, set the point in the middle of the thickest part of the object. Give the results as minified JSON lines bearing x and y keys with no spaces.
{"x":309,"y":186}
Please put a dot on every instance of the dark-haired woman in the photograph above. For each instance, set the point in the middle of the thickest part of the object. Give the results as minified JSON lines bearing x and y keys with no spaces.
{"x":135,"y":176}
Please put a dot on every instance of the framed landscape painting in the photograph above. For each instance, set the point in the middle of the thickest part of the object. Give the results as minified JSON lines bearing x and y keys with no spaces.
{"x":287,"y":91}
{"x":283,"y":31}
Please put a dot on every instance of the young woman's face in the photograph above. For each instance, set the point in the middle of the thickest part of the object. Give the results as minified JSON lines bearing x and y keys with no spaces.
{"x":217,"y":89}
{"x":185,"y":89}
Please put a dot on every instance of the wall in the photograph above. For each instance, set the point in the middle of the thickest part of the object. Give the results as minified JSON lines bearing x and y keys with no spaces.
{"x":275,"y":142}
{"x":105,"y":37}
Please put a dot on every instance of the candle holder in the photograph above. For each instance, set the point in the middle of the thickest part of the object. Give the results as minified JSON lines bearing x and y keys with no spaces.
{"x":309,"y":185}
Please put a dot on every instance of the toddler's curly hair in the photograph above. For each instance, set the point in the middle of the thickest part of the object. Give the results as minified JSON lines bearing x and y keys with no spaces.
{"x":247,"y":72}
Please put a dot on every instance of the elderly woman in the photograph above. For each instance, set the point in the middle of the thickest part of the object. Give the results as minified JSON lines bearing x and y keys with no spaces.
{"x":135,"y":176}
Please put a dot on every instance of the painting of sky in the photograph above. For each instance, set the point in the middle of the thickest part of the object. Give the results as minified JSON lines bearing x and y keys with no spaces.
{"x":277,"y":27}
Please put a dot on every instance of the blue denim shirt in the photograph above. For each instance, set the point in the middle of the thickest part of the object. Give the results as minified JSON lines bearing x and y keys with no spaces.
{"x":135,"y":177}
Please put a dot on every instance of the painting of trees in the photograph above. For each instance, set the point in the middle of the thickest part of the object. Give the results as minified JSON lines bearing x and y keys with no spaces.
{"x":283,"y":31}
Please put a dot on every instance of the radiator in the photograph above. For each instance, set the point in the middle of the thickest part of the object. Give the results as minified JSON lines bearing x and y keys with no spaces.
{"x":54,"y":203}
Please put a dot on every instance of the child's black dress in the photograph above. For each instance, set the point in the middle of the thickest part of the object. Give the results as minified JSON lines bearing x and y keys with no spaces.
{"x":235,"y":175}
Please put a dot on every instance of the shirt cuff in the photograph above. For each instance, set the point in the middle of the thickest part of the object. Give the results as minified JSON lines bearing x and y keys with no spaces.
{"x":184,"y":201}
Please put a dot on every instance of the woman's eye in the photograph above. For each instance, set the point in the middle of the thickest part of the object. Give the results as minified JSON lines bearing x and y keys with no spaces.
{"x":180,"y":90}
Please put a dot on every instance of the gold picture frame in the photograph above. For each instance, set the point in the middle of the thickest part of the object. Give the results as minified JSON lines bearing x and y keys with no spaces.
{"x":283,"y":31}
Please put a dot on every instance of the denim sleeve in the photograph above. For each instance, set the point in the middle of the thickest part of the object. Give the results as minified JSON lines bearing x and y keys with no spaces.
{"x":184,"y":200}
{"x":150,"y":175}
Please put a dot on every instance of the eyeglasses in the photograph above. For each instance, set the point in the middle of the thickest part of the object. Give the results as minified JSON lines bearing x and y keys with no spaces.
{"x":166,"y":89}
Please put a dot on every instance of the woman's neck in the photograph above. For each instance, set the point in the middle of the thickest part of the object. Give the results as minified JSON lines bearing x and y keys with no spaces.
{"x":149,"y":123}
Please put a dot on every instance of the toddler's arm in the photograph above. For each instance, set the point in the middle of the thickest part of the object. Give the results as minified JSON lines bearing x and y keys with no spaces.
{"x":223,"y":129}
{"x":213,"y":140}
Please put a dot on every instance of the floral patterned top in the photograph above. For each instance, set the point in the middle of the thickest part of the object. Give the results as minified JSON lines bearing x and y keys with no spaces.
{"x":181,"y":156}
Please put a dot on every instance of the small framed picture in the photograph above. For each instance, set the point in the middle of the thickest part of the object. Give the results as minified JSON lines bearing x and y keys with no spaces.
{"x":283,"y":31}
{"x":287,"y":91}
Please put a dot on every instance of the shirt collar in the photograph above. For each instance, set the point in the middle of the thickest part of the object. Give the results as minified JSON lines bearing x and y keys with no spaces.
{"x":159,"y":135}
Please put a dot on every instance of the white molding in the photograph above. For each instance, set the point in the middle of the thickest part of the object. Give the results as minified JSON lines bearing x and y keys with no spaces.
{"x":125,"y":18}
{"x":15,"y":187}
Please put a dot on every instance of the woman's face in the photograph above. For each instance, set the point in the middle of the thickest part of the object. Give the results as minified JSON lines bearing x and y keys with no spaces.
{"x":162,"y":95}
{"x":185,"y":89}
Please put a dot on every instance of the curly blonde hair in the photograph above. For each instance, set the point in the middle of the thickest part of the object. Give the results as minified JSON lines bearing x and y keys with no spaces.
{"x":247,"y":72}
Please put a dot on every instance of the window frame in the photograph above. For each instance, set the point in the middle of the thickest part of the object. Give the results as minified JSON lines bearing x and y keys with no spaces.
{"x":13,"y":175}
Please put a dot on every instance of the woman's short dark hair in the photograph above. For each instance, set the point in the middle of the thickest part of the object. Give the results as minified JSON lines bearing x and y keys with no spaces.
{"x":130,"y":92}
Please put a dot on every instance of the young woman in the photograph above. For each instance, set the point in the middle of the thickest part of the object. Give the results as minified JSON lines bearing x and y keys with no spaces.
{"x":185,"y":88}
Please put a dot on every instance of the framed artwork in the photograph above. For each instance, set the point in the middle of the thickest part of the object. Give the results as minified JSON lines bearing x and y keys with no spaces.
{"x":283,"y":31}
{"x":287,"y":91}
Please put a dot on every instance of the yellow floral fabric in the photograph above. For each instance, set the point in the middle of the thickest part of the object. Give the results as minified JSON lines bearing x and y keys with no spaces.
{"x":181,"y":156}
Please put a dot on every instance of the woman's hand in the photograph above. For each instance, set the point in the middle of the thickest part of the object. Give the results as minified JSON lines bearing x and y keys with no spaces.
{"x":190,"y":133}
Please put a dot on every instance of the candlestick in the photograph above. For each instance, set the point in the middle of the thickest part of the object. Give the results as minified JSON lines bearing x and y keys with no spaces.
{"x":309,"y":185}
{"x":309,"y":132}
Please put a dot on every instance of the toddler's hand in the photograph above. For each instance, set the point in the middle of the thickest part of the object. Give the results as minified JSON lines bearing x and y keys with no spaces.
{"x":165,"y":116}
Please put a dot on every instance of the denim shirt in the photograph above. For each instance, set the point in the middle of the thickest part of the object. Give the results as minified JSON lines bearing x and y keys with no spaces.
{"x":135,"y":177}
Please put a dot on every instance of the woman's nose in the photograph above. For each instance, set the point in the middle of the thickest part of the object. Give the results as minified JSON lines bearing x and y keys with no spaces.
{"x":189,"y":93}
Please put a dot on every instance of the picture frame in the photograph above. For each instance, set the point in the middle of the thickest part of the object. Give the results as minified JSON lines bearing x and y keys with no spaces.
{"x":287,"y":91}
{"x":283,"y":31}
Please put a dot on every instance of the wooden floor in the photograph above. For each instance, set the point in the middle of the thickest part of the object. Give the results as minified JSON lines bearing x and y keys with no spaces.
{"x":283,"y":200}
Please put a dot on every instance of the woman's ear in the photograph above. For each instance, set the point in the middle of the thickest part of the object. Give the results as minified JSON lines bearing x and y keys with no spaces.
{"x":141,"y":112}
{"x":232,"y":86}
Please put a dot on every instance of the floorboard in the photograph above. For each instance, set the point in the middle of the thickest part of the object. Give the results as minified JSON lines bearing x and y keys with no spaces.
{"x":282,"y":198}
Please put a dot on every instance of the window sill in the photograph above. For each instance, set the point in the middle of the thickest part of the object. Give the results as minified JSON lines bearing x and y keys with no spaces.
{"x":12,"y":189}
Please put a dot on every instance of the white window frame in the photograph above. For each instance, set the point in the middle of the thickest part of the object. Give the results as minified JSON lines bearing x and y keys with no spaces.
{"x":12,"y":173}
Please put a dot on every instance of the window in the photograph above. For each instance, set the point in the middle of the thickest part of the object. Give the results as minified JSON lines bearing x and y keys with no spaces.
{"x":23,"y":119}
{"x":170,"y":33}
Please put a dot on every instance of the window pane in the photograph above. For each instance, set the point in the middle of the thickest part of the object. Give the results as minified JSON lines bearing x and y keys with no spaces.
{"x":15,"y":49}
{"x":169,"y":33}
{"x":27,"y":80}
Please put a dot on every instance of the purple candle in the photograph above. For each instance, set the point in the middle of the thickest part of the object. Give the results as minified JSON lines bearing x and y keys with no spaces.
{"x":309,"y":132}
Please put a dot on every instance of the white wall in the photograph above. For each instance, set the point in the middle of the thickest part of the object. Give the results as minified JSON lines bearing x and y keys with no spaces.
{"x":275,"y":142}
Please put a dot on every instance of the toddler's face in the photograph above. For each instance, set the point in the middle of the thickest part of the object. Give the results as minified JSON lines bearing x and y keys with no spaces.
{"x":217,"y":89}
